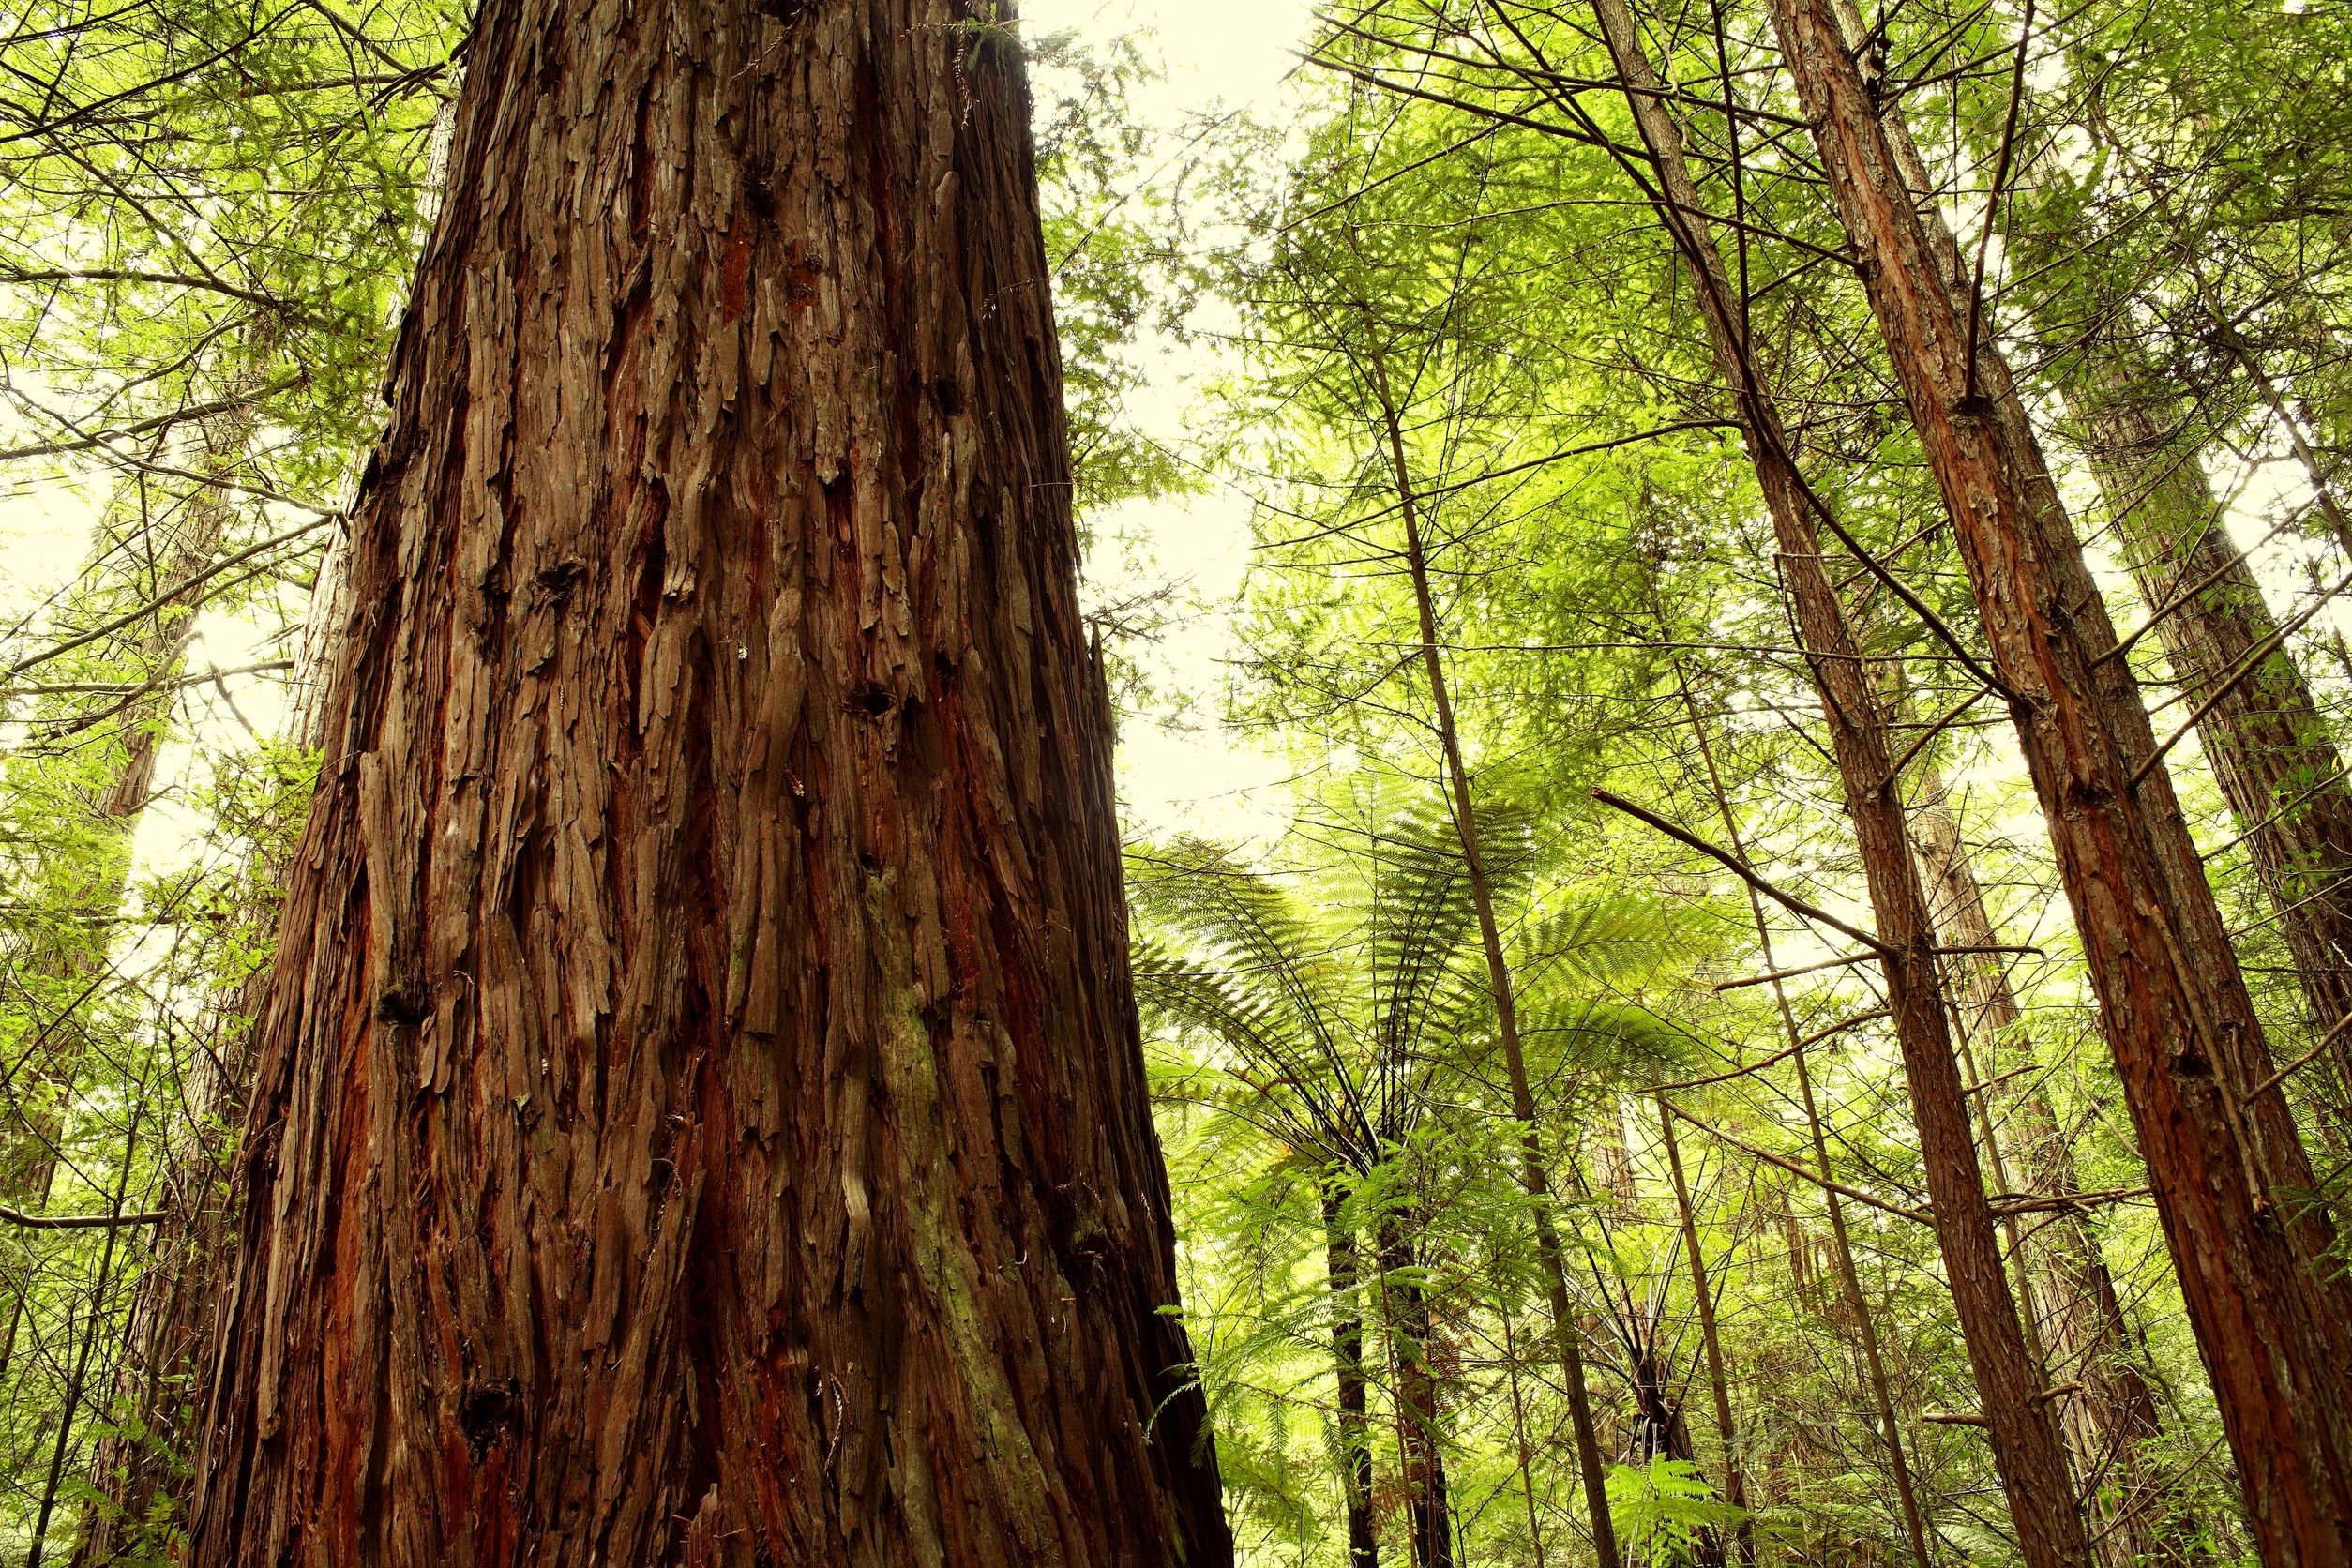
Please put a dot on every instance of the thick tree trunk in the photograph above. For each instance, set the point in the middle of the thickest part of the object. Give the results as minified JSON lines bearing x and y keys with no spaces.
{"x":2085,"y":1342}
{"x":2187,"y":1044}
{"x":2264,"y":736}
{"x":2026,"y":1446}
{"x":699,"y":1115}
{"x":1343,"y":1278}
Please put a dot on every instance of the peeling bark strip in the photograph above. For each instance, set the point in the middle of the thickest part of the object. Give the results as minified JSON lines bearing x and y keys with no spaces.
{"x":698,"y":1116}
{"x":2227,"y":1175}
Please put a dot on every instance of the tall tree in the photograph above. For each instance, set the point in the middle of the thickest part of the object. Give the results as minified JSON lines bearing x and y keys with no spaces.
{"x":2107,"y":1413}
{"x":697,"y":1112}
{"x":2227,"y":1166}
{"x":2025,"y":1441}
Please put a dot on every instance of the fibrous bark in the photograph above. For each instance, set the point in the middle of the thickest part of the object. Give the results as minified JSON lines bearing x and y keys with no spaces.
{"x":698,"y":1116}
{"x":2226,"y":1173}
{"x":2268,"y":747}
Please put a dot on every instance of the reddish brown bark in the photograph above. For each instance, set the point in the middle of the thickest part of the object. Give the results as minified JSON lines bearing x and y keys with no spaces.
{"x":2183,"y":1033}
{"x":2025,"y":1447}
{"x":699,"y":1115}
{"x":2085,"y":1344}
{"x":2268,"y":747}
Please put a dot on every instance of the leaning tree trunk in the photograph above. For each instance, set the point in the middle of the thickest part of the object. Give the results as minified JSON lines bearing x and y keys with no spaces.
{"x":1703,"y":1299}
{"x":2268,"y":747}
{"x":2110,"y":1414}
{"x":2260,"y":728}
{"x":2026,"y":1451}
{"x":2188,"y":1048}
{"x":698,"y":1114}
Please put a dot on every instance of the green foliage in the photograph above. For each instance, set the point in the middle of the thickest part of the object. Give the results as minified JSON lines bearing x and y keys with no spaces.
{"x":1664,"y":1512}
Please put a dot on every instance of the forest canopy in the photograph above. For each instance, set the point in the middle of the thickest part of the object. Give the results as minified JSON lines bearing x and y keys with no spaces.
{"x":1724,"y":623}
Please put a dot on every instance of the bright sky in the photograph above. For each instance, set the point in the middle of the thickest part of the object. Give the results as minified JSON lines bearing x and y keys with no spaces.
{"x":1186,"y":771}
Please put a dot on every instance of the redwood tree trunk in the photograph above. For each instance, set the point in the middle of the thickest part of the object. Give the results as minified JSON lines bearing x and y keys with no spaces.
{"x":2026,"y":1448}
{"x":2264,"y":738}
{"x":2111,"y":1412}
{"x":699,"y":1115}
{"x":2187,"y":1044}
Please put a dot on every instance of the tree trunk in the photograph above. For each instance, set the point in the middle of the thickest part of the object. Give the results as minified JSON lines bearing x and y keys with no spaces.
{"x":1421,"y":1459}
{"x":2026,"y":1448}
{"x":1841,"y":1243}
{"x":2187,"y":1044}
{"x":146,"y":1473}
{"x":1533,"y":1177}
{"x":1344,"y":1276}
{"x":1734,"y":1467}
{"x":2268,"y":747}
{"x":81,"y":888}
{"x":2084,"y":1339}
{"x":699,"y":1115}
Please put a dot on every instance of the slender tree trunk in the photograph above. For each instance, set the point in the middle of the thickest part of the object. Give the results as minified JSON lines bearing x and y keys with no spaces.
{"x":146,"y":1473}
{"x":1841,"y":1245}
{"x":699,"y":1115}
{"x":2085,"y":1342}
{"x":1522,"y":1449}
{"x":1735,"y":1469}
{"x":2188,"y":1047}
{"x":1532,"y":1172}
{"x":72,"y":955}
{"x":77,"y":1382}
{"x":1344,"y":1276}
{"x":2025,"y":1447}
